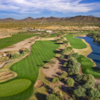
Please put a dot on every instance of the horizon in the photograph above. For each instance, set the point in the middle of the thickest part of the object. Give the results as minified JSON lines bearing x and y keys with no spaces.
{"x":20,"y":9}
{"x":48,"y":17}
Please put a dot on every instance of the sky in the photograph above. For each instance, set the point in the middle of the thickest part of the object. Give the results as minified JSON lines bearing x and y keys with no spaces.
{"x":20,"y":9}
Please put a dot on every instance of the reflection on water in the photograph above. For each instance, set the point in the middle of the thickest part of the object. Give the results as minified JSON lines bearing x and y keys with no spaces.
{"x":95,"y":55}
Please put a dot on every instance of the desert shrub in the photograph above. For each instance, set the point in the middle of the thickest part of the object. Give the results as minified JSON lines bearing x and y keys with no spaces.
{"x":69,"y":48}
{"x":45,"y":67}
{"x":15,"y":55}
{"x":51,"y":62}
{"x":52,"y":97}
{"x":70,"y":82}
{"x":70,"y":99}
{"x":63,"y":75}
{"x":64,"y":51}
{"x":3,"y":58}
{"x":62,"y":57}
{"x":76,"y":55}
{"x":27,"y":50}
{"x":65,"y":64}
{"x":65,"y":42}
{"x":55,"y":80}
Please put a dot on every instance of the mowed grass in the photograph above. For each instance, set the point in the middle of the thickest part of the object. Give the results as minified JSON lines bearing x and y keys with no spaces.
{"x":53,"y":35}
{"x":14,"y":87}
{"x":42,"y":51}
{"x":98,"y":86}
{"x":75,"y":42}
{"x":87,"y":66}
{"x":5,"y":42}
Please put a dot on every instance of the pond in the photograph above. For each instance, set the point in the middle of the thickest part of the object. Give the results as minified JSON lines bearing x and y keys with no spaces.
{"x":95,"y":54}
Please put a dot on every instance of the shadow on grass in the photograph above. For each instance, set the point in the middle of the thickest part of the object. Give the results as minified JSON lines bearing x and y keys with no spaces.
{"x":40,"y":96}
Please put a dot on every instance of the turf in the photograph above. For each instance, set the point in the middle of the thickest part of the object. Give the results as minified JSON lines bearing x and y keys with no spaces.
{"x":53,"y":35}
{"x":42,"y":51}
{"x":5,"y":42}
{"x":14,"y":87}
{"x":87,"y":66}
{"x":98,"y":86}
{"x":75,"y":42}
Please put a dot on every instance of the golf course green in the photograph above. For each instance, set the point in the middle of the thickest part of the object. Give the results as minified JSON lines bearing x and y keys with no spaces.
{"x":75,"y":42}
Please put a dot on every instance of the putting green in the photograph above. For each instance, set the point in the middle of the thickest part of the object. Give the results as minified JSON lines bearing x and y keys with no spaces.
{"x":75,"y":42}
{"x":14,"y":87}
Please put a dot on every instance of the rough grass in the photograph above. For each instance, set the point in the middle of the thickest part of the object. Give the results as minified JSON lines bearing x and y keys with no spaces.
{"x":87,"y":66}
{"x":5,"y":42}
{"x":42,"y":51}
{"x":75,"y":42}
{"x":40,"y":93}
{"x":14,"y":87}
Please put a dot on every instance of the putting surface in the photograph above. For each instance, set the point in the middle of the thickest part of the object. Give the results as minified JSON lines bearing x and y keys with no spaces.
{"x":87,"y":66}
{"x":14,"y":87}
{"x":75,"y":42}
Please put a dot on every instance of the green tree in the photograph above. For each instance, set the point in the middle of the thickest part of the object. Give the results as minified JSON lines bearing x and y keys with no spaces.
{"x":89,"y":84}
{"x":70,"y":82}
{"x":88,"y":77}
{"x":78,"y":78}
{"x":93,"y":93}
{"x":73,"y":70}
{"x":80,"y":92}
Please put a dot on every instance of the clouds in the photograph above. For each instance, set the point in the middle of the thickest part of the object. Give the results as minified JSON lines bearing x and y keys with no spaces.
{"x":37,"y":6}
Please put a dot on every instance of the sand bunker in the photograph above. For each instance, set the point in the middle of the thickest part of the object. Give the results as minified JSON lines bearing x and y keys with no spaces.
{"x":38,"y":84}
{"x":6,"y":75}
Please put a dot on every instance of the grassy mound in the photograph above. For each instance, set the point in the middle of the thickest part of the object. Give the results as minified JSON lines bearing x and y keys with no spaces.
{"x":14,"y":87}
{"x":5,"y":42}
{"x":75,"y":42}
{"x":42,"y":51}
{"x":87,"y":66}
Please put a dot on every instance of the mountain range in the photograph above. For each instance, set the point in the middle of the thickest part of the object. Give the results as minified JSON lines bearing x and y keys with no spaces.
{"x":69,"y":19}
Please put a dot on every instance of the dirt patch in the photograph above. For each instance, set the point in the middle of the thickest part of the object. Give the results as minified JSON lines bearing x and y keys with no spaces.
{"x":1,"y":37}
{"x":52,"y":70}
{"x":38,"y":84}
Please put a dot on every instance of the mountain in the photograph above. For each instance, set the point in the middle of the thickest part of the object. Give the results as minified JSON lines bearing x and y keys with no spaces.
{"x":7,"y":20}
{"x":27,"y":19}
{"x":83,"y":19}
{"x":48,"y":18}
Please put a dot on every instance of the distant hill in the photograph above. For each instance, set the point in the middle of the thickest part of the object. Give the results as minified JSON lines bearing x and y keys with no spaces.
{"x":48,"y":19}
{"x":27,"y":19}
{"x":8,"y":20}
{"x":83,"y":19}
